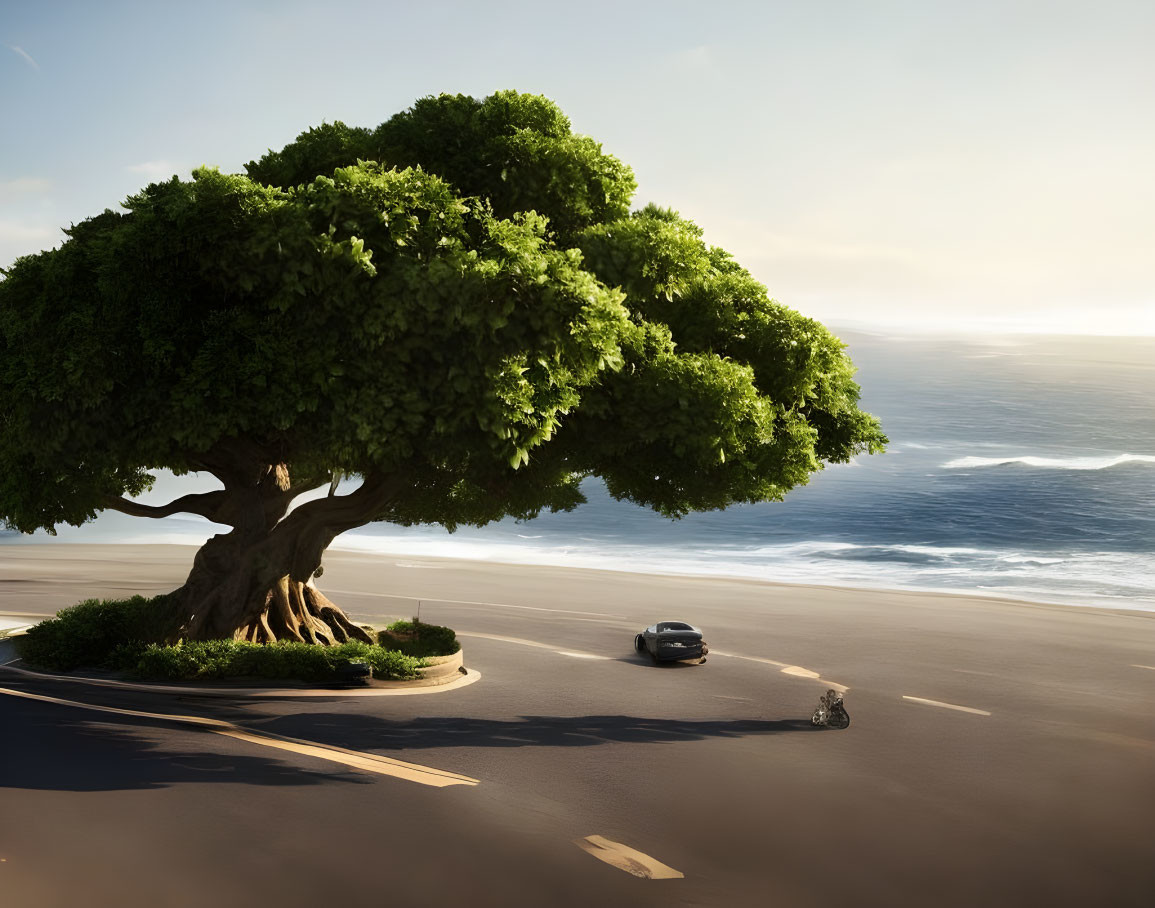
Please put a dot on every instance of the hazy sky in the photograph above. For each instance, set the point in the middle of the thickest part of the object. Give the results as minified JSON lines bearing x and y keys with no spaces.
{"x":929,"y":164}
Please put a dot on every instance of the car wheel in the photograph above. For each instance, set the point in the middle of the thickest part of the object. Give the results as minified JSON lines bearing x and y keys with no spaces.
{"x":640,"y":643}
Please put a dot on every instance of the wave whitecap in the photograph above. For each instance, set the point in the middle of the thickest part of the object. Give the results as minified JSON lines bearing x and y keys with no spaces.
{"x":1050,"y":463}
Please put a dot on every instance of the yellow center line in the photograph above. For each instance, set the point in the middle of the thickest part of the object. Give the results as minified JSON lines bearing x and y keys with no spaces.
{"x":628,"y":859}
{"x":796,"y":671}
{"x":961,"y":709}
{"x":386,"y":766}
{"x":520,"y":640}
{"x":715,"y":652}
{"x":577,"y":654}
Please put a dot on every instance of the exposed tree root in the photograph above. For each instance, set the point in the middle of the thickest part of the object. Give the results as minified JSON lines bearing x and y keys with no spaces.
{"x":301,"y":612}
{"x":292,"y":611}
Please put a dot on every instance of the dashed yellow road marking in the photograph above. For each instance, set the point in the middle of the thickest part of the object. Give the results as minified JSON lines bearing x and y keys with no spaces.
{"x":410,"y":772}
{"x":961,"y":709}
{"x":715,"y":652}
{"x":577,"y":654}
{"x":628,"y":859}
{"x":520,"y":640}
{"x":385,"y":766}
{"x":796,"y":671}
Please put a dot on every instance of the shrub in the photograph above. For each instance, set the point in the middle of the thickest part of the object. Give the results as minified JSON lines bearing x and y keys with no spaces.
{"x":93,"y":633}
{"x":127,"y":635}
{"x":416,"y":639}
{"x":204,"y":660}
{"x":126,"y":656}
{"x":387,"y":663}
{"x":168,"y":663}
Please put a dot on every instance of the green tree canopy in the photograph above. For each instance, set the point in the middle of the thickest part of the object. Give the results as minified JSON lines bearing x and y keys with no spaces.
{"x":457,"y":306}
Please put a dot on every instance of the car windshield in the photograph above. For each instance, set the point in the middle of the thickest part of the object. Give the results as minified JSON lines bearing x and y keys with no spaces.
{"x":674,"y":626}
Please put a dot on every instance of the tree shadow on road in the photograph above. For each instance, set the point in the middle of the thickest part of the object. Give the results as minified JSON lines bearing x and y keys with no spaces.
{"x":371,"y":733}
{"x":64,"y":750}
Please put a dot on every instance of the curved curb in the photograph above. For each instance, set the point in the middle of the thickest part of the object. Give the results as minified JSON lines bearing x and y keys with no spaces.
{"x":464,"y":678}
{"x":438,"y":669}
{"x":442,"y":673}
{"x":8,"y":647}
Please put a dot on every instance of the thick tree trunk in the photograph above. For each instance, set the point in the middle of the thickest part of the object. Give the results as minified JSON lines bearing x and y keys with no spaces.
{"x":252,"y":590}
{"x":256,"y":582}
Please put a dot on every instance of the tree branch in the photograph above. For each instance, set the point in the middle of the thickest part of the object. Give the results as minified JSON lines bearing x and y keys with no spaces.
{"x":276,"y":504}
{"x":314,"y":524}
{"x":358,"y":507}
{"x":206,"y":504}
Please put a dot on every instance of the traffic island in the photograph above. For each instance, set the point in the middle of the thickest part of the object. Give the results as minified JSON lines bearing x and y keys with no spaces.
{"x":98,"y":640}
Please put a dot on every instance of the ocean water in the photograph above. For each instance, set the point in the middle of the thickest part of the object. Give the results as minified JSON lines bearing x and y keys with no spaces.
{"x":1018,"y":466}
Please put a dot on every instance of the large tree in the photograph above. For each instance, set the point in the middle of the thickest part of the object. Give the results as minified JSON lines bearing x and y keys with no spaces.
{"x":458,"y":307}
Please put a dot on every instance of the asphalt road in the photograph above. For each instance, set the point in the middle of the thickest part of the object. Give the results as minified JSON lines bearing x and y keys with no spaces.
{"x":999,"y":754}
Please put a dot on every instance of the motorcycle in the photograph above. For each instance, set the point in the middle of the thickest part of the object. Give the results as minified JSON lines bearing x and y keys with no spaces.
{"x":831,"y":711}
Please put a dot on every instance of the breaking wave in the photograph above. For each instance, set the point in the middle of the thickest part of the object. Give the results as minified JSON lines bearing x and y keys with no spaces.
{"x":1050,"y":463}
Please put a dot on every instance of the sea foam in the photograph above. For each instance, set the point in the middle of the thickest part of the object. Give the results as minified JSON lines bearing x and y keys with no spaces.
{"x":1050,"y":463}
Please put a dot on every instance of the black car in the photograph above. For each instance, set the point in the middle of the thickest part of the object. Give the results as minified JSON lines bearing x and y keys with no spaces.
{"x":672,"y":641}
